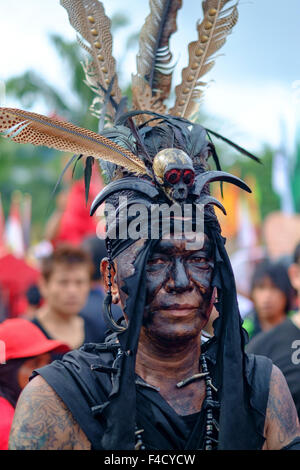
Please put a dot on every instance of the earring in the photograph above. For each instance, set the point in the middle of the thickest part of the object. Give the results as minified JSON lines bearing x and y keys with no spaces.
{"x":115,"y":299}
{"x":107,"y":313}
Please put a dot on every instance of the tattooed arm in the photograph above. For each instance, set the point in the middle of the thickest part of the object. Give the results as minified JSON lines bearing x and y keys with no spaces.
{"x":42,"y":421}
{"x":282,"y":425}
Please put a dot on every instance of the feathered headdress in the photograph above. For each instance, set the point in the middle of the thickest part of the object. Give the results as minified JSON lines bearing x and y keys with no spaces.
{"x":120,"y":146}
{"x":158,"y":154}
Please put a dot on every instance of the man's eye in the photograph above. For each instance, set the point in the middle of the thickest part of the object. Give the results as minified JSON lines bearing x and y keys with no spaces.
{"x":198,"y":260}
{"x":202,"y":262}
{"x":156,"y":261}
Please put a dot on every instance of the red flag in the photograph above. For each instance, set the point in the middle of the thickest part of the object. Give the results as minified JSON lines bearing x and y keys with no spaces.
{"x":76,"y":223}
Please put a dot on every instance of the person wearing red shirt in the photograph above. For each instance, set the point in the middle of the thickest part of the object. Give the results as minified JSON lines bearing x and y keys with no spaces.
{"x":23,"y":348}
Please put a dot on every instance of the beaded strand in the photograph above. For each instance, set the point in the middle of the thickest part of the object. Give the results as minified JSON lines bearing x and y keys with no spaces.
{"x":210,"y":404}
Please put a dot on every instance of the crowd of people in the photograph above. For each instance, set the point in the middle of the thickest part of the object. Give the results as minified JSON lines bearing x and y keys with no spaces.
{"x":138,"y":343}
{"x":65,"y":310}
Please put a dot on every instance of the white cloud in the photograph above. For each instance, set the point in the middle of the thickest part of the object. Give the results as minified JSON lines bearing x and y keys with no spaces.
{"x":253,"y":113}
{"x":251,"y":110}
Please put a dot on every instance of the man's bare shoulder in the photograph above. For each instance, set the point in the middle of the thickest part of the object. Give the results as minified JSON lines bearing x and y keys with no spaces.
{"x":282,"y":424}
{"x":42,"y":421}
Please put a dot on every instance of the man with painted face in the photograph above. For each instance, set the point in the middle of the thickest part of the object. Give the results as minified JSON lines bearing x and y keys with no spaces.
{"x":152,"y":384}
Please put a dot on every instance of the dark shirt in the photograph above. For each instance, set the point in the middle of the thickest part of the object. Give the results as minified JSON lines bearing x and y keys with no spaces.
{"x":276,"y":344}
{"x":85,"y":392}
{"x":91,"y":334}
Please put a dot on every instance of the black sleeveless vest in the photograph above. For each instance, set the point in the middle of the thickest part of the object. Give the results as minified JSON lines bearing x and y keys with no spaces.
{"x":83,"y":380}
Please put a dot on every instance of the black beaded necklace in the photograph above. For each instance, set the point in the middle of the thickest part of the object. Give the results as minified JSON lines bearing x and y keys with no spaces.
{"x":211,"y":425}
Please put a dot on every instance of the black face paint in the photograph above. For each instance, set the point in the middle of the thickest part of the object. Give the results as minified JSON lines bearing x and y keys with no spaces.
{"x":177,"y":270}
{"x":178,"y":287}
{"x":178,"y":279}
{"x":125,"y":266}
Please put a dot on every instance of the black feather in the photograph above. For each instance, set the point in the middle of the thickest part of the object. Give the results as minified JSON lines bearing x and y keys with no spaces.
{"x":74,"y":167}
{"x":217,"y":162}
{"x":87,"y":176}
{"x":141,"y":146}
{"x":62,"y":174}
{"x":232,"y":144}
{"x":112,"y":100}
{"x":121,"y":107}
{"x":107,"y":96}
{"x":72,"y":159}
{"x":123,"y":118}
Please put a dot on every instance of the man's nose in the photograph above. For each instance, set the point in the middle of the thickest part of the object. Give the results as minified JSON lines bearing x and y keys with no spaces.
{"x":178,"y":280}
{"x":72,"y":288}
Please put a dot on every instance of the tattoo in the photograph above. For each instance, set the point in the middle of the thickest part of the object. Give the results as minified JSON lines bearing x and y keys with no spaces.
{"x":282,"y":424}
{"x":42,"y":421}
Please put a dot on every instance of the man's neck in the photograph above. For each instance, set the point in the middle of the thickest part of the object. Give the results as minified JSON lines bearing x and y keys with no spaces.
{"x":165,"y":365}
{"x":67,"y":328}
{"x":169,"y":361}
{"x":48,"y":315}
{"x":267,"y":324}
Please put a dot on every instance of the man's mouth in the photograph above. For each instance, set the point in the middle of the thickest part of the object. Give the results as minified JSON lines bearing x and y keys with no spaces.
{"x":177,"y":307}
{"x":176,"y":310}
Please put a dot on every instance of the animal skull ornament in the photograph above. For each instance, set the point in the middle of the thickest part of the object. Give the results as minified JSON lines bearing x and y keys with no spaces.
{"x":174,"y":173}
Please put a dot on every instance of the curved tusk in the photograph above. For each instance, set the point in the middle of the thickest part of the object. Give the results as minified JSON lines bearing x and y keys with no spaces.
{"x":130,"y":183}
{"x":211,"y":176}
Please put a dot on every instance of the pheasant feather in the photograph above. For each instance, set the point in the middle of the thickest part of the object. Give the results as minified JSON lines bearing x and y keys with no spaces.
{"x":25,"y":127}
{"x":88,"y":18}
{"x":212,"y":33}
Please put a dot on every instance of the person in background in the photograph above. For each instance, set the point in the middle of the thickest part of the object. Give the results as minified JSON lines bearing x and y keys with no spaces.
{"x":65,"y":284}
{"x":25,"y":347}
{"x":282,"y":343}
{"x":93,"y":308}
{"x":272,"y":295}
{"x":34,"y":300}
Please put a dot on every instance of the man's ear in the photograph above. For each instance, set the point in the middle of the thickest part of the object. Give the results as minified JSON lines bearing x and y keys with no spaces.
{"x":213,"y":300}
{"x":212,"y":313}
{"x":104,"y":272}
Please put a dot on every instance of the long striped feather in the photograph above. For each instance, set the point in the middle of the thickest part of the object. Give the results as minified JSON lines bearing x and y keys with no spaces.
{"x":25,"y":127}
{"x":88,"y":18}
{"x":212,"y":33}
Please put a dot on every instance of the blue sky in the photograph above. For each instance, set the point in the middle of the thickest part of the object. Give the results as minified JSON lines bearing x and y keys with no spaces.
{"x":254,"y":85}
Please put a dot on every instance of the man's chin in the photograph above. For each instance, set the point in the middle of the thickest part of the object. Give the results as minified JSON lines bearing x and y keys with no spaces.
{"x":180,"y":328}
{"x":71,"y":310}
